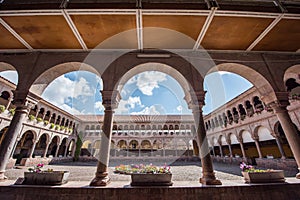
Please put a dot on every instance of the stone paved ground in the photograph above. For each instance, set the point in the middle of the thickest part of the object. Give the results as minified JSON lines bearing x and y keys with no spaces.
{"x":182,"y":171}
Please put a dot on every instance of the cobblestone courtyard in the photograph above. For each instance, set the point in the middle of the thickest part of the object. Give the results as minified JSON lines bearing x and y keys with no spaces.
{"x":182,"y":171}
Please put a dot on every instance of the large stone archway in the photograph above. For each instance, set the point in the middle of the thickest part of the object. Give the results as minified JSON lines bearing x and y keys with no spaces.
{"x":179,"y":68}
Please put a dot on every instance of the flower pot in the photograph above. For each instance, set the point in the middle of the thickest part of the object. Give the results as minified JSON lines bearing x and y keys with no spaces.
{"x":46,"y":178}
{"x":274,"y":176}
{"x":151,"y":180}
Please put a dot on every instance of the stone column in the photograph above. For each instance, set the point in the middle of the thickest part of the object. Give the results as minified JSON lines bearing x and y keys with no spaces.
{"x":229,"y":146}
{"x":32,"y":148}
{"x":256,"y":140}
{"x":57,"y":149}
{"x":8,"y":104}
{"x":279,"y":144}
{"x":213,"y":150}
{"x":289,"y":129}
{"x":110,"y":102}
{"x":46,"y":150}
{"x":73,"y":149}
{"x":23,"y":106}
{"x":196,"y":103}
{"x":221,"y":151}
{"x":66,"y":150}
{"x":240,"y":139}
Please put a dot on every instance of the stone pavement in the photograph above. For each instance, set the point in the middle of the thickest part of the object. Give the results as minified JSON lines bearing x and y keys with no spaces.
{"x":182,"y":171}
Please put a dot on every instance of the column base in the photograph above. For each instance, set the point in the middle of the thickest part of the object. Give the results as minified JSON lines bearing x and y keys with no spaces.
{"x":298,"y":175}
{"x":2,"y":176}
{"x":100,"y":181}
{"x":209,"y":181}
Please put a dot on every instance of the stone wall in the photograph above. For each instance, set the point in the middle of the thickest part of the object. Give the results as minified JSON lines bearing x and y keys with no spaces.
{"x":257,"y":192}
{"x":288,"y":165}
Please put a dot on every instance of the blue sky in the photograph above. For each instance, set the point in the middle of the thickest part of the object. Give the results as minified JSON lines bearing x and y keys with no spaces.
{"x":150,"y":92}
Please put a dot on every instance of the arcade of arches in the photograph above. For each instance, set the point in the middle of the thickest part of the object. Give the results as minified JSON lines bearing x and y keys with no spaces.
{"x":32,"y":127}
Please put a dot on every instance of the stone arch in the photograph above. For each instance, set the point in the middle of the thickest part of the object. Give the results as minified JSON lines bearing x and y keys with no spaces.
{"x":292,"y":72}
{"x":2,"y":132}
{"x":292,"y":81}
{"x":146,"y":144}
{"x":262,"y":83}
{"x":263,"y":133}
{"x":24,"y":145}
{"x":129,"y":65}
{"x":4,"y":66}
{"x":133,"y":144}
{"x":122,"y":144}
{"x":44,"y":79}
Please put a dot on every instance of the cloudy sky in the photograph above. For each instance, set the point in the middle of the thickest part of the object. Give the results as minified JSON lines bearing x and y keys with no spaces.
{"x":150,"y":92}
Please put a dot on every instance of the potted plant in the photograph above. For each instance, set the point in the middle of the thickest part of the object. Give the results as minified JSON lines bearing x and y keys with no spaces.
{"x":252,"y":175}
{"x":12,"y":111}
{"x":39,"y":119}
{"x":2,"y":108}
{"x":31,"y":117}
{"x":147,"y":175}
{"x":37,"y":176}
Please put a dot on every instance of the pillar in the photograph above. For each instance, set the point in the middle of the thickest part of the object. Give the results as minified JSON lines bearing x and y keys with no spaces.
{"x":8,"y":103}
{"x":23,"y":106}
{"x":73,"y":148}
{"x":110,"y":102}
{"x":240,"y":139}
{"x":66,"y":150}
{"x":229,"y":146}
{"x":213,"y":150}
{"x":221,"y":150}
{"x":208,"y":175}
{"x":32,"y":148}
{"x":256,"y":141}
{"x":57,"y":149}
{"x":279,"y":144}
{"x":46,"y":150}
{"x":288,"y":127}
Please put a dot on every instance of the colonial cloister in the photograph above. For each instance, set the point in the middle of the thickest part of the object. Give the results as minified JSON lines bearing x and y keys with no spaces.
{"x":187,"y":40}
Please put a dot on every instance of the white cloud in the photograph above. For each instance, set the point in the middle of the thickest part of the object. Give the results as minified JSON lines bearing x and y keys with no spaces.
{"x":130,"y":103}
{"x":147,"y":81}
{"x":63,"y":90}
{"x":147,"y":111}
{"x":179,"y":108}
{"x":69,"y":109}
{"x":99,"y":106}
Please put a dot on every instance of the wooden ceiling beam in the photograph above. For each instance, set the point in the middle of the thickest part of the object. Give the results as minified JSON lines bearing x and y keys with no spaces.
{"x":15,"y":34}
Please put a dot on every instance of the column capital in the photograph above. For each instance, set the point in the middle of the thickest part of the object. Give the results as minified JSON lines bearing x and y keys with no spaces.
{"x":255,"y":137}
{"x":240,"y":139}
{"x":23,"y":101}
{"x":110,"y":99}
{"x":281,"y":103}
{"x":196,"y":99}
{"x":228,"y":140}
{"x":274,"y":134}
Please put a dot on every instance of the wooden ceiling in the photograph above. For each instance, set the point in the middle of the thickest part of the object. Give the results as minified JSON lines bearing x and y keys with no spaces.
{"x":137,"y":29}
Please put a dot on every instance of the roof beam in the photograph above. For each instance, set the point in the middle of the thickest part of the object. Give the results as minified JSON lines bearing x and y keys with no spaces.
{"x":265,"y":32}
{"x":15,"y":34}
{"x":74,"y":29}
{"x":139,"y":28}
{"x":204,"y":29}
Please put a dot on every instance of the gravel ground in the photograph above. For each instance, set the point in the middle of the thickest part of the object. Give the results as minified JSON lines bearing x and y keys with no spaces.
{"x":182,"y":171}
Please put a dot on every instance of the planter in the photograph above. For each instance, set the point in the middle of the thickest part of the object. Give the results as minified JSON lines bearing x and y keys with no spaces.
{"x":274,"y":176}
{"x":46,"y":178}
{"x":151,"y":180}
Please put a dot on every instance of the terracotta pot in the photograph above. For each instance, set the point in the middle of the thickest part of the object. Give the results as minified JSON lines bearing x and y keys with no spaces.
{"x":46,"y":178}
{"x":273,"y":176}
{"x":151,"y":179}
